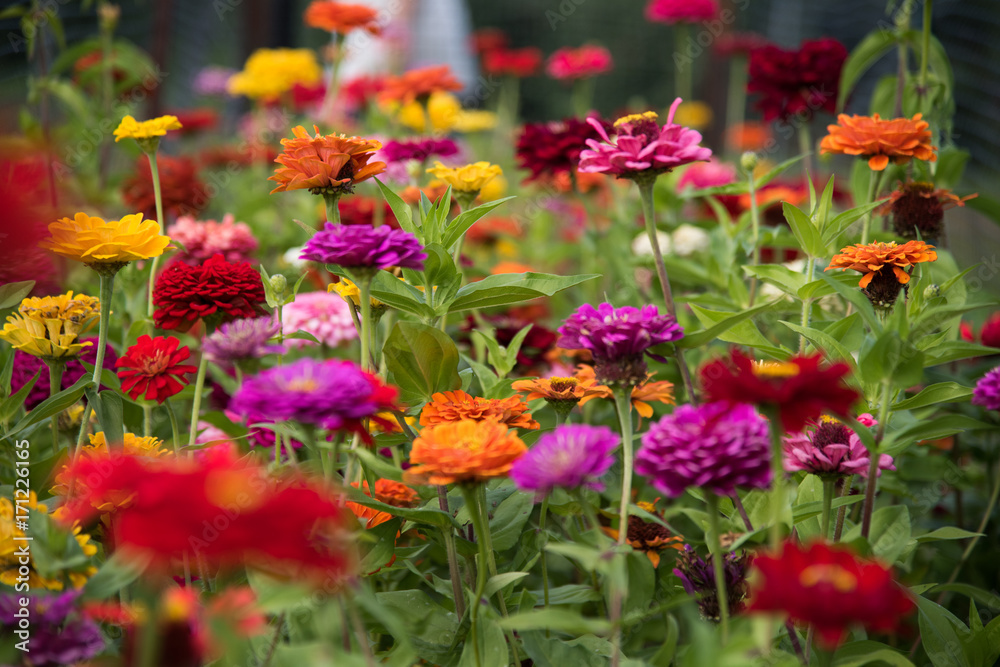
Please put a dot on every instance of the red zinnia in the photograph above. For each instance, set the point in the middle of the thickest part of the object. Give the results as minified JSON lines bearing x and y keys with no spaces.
{"x":512,"y":62}
{"x":153,"y":367}
{"x":798,"y":388}
{"x":829,"y":588}
{"x":797,"y":82}
{"x":569,"y":64}
{"x":182,"y":192}
{"x":218,"y":290}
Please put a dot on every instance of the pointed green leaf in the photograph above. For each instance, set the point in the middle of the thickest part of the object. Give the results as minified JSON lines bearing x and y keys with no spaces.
{"x":422,"y":360}
{"x":508,"y":288}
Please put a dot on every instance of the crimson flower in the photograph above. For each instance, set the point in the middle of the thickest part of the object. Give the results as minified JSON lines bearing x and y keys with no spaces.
{"x":182,"y":191}
{"x":547,"y":149}
{"x":518,"y":63}
{"x":218,"y":290}
{"x":152,"y":368}
{"x":797,"y":82}
{"x":829,"y":588}
{"x":798,"y":388}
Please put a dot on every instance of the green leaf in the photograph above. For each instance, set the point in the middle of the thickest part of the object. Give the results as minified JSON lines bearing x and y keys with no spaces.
{"x":11,"y":294}
{"x":382,"y":551}
{"x":823,"y":341}
{"x":116,"y":573}
{"x":7,"y":372}
{"x":774,"y":173}
{"x":789,"y":281}
{"x":401,"y":296}
{"x":806,"y":233}
{"x":430,"y":627}
{"x":956,"y":350}
{"x":867,"y":652}
{"x":108,"y":408}
{"x":560,"y":620}
{"x":431,"y":517}
{"x":860,"y":301}
{"x":948,"y":533}
{"x":585,"y":651}
{"x":820,"y":287}
{"x":507,"y":524}
{"x":943,"y":635}
{"x":10,"y":405}
{"x":839,"y":224}
{"x":466,"y":219}
{"x":400,"y":208}
{"x":439,"y":268}
{"x":51,"y":406}
{"x":422,"y":361}
{"x":932,"y":429}
{"x":890,"y":532}
{"x":867,"y":53}
{"x":721,"y":322}
{"x":508,"y":288}
{"x":943,"y":392}
{"x":502,"y":580}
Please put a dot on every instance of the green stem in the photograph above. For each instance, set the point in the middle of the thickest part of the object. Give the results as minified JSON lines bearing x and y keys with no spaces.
{"x":684,"y":74}
{"x":582,"y":96}
{"x":649,"y":213}
{"x":472,"y":503}
{"x":806,"y":303}
{"x":828,"y":493}
{"x":990,"y":505}
{"x":55,"y":385}
{"x":872,"y":482}
{"x":777,"y":478}
{"x":842,"y":512}
{"x":365,"y":287}
{"x":736,"y":95}
{"x":806,"y":148}
{"x":147,"y":420}
{"x":543,"y":538}
{"x":873,"y":187}
{"x":623,"y":402}
{"x":755,"y":226}
{"x":332,"y":210}
{"x":717,"y":553}
{"x":174,"y":427}
{"x":199,"y":387}
{"x":107,"y":290}
{"x":449,"y":546}
{"x":155,"y":174}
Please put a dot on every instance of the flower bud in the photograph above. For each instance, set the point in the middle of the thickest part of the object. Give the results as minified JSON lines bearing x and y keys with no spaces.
{"x":932,"y":291}
{"x":278,"y":284}
{"x":748,"y":161}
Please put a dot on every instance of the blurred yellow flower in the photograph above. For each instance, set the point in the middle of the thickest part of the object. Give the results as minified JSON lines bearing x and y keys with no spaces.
{"x":470,"y":178}
{"x":348,"y":291}
{"x":96,"y":242}
{"x":50,"y":326}
{"x":443,"y":114}
{"x":130,"y":128}
{"x":693,"y":114}
{"x":268,"y":73}
{"x":475,"y":121}
{"x":494,"y":189}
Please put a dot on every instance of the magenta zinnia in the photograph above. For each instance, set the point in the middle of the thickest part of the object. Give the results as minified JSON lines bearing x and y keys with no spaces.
{"x":569,"y":457}
{"x":832,"y":450}
{"x":987,"y":391}
{"x":242,"y":340}
{"x":363,"y":246}
{"x":681,"y":11}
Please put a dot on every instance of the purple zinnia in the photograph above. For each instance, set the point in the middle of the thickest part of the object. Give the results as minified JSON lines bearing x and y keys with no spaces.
{"x":832,"y":450}
{"x":569,"y":457}
{"x":365,"y":247}
{"x":242,"y":340}
{"x":617,"y":338}
{"x":698,"y":578}
{"x":26,"y":365}
{"x":419,"y":149}
{"x":59,"y":635}
{"x":715,"y":446}
{"x":987,"y":391}
{"x":332,"y":394}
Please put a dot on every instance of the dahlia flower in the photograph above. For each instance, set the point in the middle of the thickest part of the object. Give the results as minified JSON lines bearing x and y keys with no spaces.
{"x":204,"y":238}
{"x":797,"y":82}
{"x":217,"y":291}
{"x":325,"y":316}
{"x":880,"y":141}
{"x":832,"y":450}
{"x":987,"y":391}
{"x":105,"y":245}
{"x":464,"y":451}
{"x":570,"y":457}
{"x":365,"y":247}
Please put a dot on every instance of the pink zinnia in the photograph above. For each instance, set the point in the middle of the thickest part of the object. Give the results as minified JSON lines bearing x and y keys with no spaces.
{"x":681,"y":11}
{"x":832,"y":450}
{"x":709,"y":174}
{"x":326,"y":316}
{"x":204,"y":238}
{"x":642,"y":147}
{"x":568,"y":64}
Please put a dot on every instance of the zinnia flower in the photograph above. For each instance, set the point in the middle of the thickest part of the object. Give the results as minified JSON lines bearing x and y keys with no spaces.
{"x":987,"y":391}
{"x":341,"y":17}
{"x":547,"y":149}
{"x":562,"y":393}
{"x":681,"y":11}
{"x":204,"y":238}
{"x":269,"y":73}
{"x":152,"y":368}
{"x":642,"y":394}
{"x":419,"y":149}
{"x":143,"y":131}
{"x":642,"y":148}
{"x":365,"y":247}
{"x":880,"y":140}
{"x":217,"y":291}
{"x":518,"y":63}
{"x":832,"y":450}
{"x":26,"y":366}
{"x":797,"y":82}
{"x":349,"y":291}
{"x":332,"y":394}
{"x":49,"y":327}
{"x":798,"y":388}
{"x":325,"y":316}
{"x":242,"y":340}
{"x":919,"y":207}
{"x":649,"y":537}
{"x":418,"y":84}
{"x":830,"y":589}
{"x":465,"y":452}
{"x":570,"y":457}
{"x":105,"y":246}
{"x":882,"y":265}
{"x":454,"y":406}
{"x":698,"y":578}
{"x":468,"y":179}
{"x":325,"y":165}
{"x":181,"y":191}
{"x":716,"y":446}
{"x":60,"y":634}
{"x":618,"y":338}
{"x":569,"y":64}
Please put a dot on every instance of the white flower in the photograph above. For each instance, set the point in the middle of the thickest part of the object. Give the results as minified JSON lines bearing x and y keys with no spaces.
{"x":689,"y":240}
{"x":291,"y":257}
{"x":641,"y":247}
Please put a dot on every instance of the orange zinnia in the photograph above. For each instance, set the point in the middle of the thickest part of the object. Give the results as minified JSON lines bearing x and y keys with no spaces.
{"x":329,"y":164}
{"x":387,"y":491}
{"x":341,"y":18}
{"x":648,"y":536}
{"x":418,"y":84}
{"x":559,"y":388}
{"x":870,"y":259}
{"x":466,"y":451}
{"x":642,"y":395}
{"x":454,"y":406}
{"x":879,"y":140}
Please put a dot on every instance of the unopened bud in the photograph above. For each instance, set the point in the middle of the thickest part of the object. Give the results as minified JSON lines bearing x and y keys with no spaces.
{"x":748,"y":161}
{"x":932,"y":291}
{"x":278,"y":284}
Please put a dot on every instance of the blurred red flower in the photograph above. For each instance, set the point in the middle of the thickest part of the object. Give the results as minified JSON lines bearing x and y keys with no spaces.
{"x":182,"y":191}
{"x":797,"y":82}
{"x":518,"y":63}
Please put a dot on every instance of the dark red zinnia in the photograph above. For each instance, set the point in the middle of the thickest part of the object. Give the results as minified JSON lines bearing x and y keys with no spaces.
{"x":360,"y":210}
{"x":797,"y":82}
{"x":152,"y":368}
{"x":182,"y":191}
{"x":829,"y":588}
{"x":798,"y":388}
{"x":518,"y":63}
{"x":217,"y":290}
{"x":546,"y":149}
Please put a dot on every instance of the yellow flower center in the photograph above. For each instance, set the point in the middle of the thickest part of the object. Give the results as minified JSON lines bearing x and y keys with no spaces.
{"x":636,"y":117}
{"x":827,"y":419}
{"x":303,"y":385}
{"x":562,"y":384}
{"x":775,"y":369}
{"x":842,"y":580}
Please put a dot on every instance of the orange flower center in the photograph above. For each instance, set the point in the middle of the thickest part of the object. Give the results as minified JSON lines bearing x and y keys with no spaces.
{"x":303,"y":385}
{"x":775,"y":369}
{"x":842,"y":580}
{"x":155,"y":364}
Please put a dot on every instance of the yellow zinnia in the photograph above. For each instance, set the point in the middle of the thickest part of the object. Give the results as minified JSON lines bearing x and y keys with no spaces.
{"x":95,"y":242}
{"x":49,"y":327}
{"x":269,"y":73}
{"x":130,"y":128}
{"x":470,"y":178}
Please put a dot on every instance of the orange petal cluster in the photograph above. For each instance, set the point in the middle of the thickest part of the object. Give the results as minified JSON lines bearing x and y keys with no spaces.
{"x":341,"y":17}
{"x":642,"y":395}
{"x":387,"y":491}
{"x":454,"y":406}
{"x":880,"y":140}
{"x":560,"y":388}
{"x":325,"y":164}
{"x":873,"y":257}
{"x":419,"y":84}
{"x":465,"y":451}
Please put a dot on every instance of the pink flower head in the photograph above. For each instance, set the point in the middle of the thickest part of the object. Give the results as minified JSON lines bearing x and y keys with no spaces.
{"x":709,"y":174}
{"x":569,"y":64}
{"x":325,"y":316}
{"x":204,"y":238}
{"x":681,"y":11}
{"x":832,"y":450}
{"x":642,"y":148}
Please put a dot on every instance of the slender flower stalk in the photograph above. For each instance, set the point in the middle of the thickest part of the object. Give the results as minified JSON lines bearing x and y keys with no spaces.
{"x":332,"y":207}
{"x":873,"y":187}
{"x":364,"y":283}
{"x":828,"y":493}
{"x":155,"y":174}
{"x":174,"y":428}
{"x":806,"y":302}
{"x":56,"y":368}
{"x":199,"y":389}
{"x":715,"y":547}
{"x":883,"y":415}
{"x":449,"y":545}
{"x":623,"y":402}
{"x":107,"y":278}
{"x":778,"y":483}
{"x":754,"y":222}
